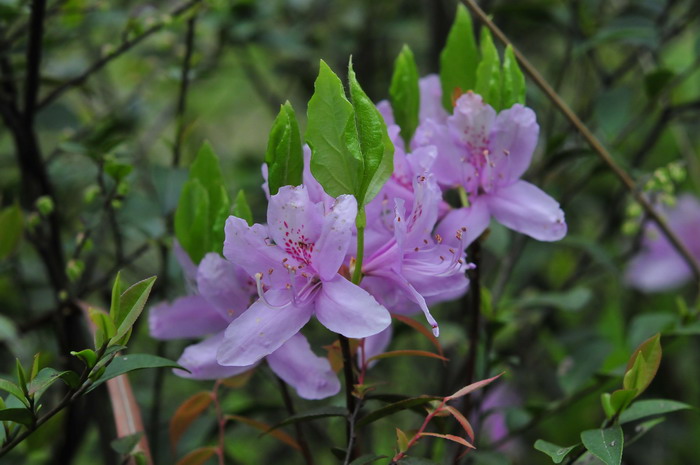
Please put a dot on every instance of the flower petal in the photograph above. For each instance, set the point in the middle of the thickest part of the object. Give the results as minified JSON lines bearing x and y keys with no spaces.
{"x":349,"y":310}
{"x":377,"y":344}
{"x":262,"y":329}
{"x":474,"y":218}
{"x":249,"y":247}
{"x":225,"y":285}
{"x":311,"y":375}
{"x":294,"y":221}
{"x":449,"y":167}
{"x":657,"y":271}
{"x":525,"y":208}
{"x":186,"y":317}
{"x":336,"y":234}
{"x":200,"y":360}
{"x":511,"y":144}
{"x":431,"y":99}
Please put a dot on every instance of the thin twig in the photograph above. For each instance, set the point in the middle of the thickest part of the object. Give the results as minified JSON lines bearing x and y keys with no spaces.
{"x":591,"y":139}
{"x":184,"y":85}
{"x":124,"y":47}
{"x":289,"y":405}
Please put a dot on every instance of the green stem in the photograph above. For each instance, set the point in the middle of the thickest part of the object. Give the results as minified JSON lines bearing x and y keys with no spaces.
{"x":361,"y":221}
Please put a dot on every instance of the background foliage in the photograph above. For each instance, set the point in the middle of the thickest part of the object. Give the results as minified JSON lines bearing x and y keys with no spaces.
{"x":115,"y":145}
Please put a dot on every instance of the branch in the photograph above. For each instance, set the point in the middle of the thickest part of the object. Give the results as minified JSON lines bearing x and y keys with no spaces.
{"x":184,"y":84}
{"x":595,"y":144}
{"x":124,"y":47}
{"x":36,"y":34}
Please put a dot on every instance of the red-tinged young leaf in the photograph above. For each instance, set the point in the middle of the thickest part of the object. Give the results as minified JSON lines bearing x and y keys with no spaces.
{"x":409,"y":353}
{"x":421,"y":329}
{"x":462,"y":420}
{"x":335,"y":354}
{"x":451,"y":437}
{"x":401,"y":440}
{"x":186,"y":414}
{"x":473,"y":387}
{"x":265,"y":428}
{"x":198,"y":456}
{"x":643,"y":364}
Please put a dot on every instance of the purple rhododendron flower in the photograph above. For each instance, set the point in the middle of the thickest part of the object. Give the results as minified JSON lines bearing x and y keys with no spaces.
{"x":659,"y":267}
{"x":296,"y":261}
{"x":225,"y":291}
{"x":486,"y":153}
{"x":404,"y":260}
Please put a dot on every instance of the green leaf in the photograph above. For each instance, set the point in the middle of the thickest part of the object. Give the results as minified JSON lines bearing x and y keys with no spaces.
{"x":622,"y":398}
{"x":646,"y":408}
{"x":13,"y":389}
{"x":393,"y":408}
{"x":367,"y":458}
{"x":404,"y":94}
{"x":656,"y":81}
{"x":606,"y":444}
{"x":241,"y":209}
{"x":643,"y":364}
{"x":198,"y":456}
{"x":321,"y":412}
{"x":513,"y":89}
{"x":87,"y":356}
{"x":11,"y":228}
{"x":556,"y":453}
{"x":336,"y":160}
{"x":459,"y":58}
{"x":192,"y":222}
{"x":131,"y":304}
{"x":126,"y":444}
{"x":21,"y":377}
{"x":127,"y":363}
{"x":488,"y":73}
{"x":18,"y":415}
{"x":114,"y":308}
{"x":401,"y":440}
{"x":375,"y":144}
{"x":47,"y":376}
{"x":415,"y":461}
{"x":284,"y":155}
{"x":104,"y":325}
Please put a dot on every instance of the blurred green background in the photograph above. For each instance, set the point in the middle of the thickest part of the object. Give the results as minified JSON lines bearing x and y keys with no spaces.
{"x":559,"y":318}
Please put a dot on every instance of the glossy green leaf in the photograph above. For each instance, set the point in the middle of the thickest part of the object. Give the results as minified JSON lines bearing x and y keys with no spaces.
{"x":556,"y":453}
{"x":404,"y":94}
{"x":127,"y":363}
{"x":125,"y":445}
{"x":284,"y":155}
{"x":12,"y":388}
{"x":622,"y":398}
{"x":47,"y":376}
{"x":87,"y":356}
{"x":18,"y":415}
{"x":488,"y":73}
{"x":241,"y":209}
{"x":336,"y":158}
{"x":11,"y":229}
{"x":393,"y":408}
{"x":192,"y":221}
{"x":104,"y":326}
{"x":313,"y":414}
{"x":606,"y":444}
{"x":114,"y":307}
{"x":459,"y":58}
{"x":375,"y":144}
{"x":643,"y":364}
{"x":367,"y":458}
{"x":513,"y":89}
{"x":646,"y":408}
{"x":131,"y":304}
{"x":21,"y":377}
{"x":416,"y":461}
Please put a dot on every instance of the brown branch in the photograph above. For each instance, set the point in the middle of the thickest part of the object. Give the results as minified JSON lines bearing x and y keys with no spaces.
{"x":184,"y":85}
{"x":591,"y":139}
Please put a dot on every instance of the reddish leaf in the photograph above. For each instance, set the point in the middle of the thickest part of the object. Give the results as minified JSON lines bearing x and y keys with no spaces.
{"x":198,"y":456}
{"x":462,"y":420}
{"x":410,"y":353}
{"x":472,"y":387}
{"x":265,"y":428}
{"x":421,"y":329}
{"x":451,"y":437}
{"x":335,"y":354}
{"x":186,"y":414}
